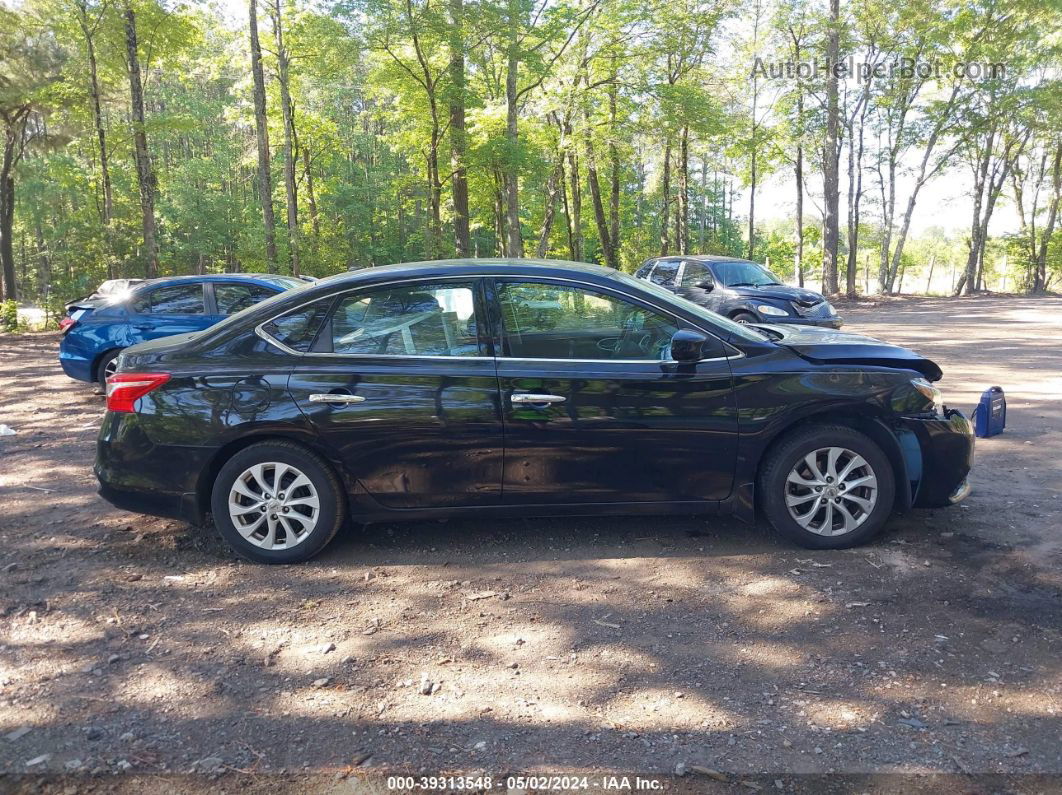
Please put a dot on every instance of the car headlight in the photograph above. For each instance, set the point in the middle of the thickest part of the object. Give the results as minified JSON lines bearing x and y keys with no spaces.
{"x":830,"y":311}
{"x":931,"y":393}
{"x":767,"y":309}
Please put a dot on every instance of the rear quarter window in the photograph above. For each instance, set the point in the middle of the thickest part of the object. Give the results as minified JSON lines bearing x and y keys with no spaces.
{"x":298,"y":329}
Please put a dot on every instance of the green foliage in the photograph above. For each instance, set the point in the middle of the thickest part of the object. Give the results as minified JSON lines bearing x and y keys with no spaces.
{"x":602,"y":88}
{"x":9,"y":315}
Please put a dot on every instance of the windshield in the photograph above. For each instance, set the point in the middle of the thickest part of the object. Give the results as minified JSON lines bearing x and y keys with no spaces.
{"x":666,"y":296}
{"x":743,"y":274}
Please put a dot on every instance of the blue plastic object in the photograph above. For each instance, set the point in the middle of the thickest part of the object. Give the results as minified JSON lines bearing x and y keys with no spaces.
{"x":990,"y":416}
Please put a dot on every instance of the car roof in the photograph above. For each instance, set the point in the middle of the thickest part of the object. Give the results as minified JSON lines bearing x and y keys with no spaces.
{"x":471,"y":266}
{"x":257,"y":278}
{"x":705,"y":258}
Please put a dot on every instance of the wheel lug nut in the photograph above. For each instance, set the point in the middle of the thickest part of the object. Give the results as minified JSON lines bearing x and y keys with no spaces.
{"x":267,"y":496}
{"x":285,"y":510}
{"x":280,"y":496}
{"x":263,"y":509}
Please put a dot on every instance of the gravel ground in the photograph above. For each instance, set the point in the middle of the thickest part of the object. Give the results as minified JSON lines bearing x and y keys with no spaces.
{"x":136,"y":654}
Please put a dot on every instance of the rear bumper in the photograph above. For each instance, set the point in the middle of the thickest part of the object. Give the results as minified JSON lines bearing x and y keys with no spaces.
{"x":947,"y":447}
{"x":75,"y":365}
{"x":170,"y":506}
{"x":135,"y":474}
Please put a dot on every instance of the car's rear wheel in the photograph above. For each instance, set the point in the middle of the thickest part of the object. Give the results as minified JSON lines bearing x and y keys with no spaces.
{"x":106,"y":367}
{"x":827,"y":487}
{"x":745,"y":317}
{"x":277,"y":502}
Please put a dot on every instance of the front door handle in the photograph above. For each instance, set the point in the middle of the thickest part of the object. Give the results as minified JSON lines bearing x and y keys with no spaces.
{"x":335,"y":397}
{"x":526,"y":397}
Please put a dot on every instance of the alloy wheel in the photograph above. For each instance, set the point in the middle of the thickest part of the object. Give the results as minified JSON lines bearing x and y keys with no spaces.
{"x":274,"y":505}
{"x":831,"y":491}
{"x":110,"y":368}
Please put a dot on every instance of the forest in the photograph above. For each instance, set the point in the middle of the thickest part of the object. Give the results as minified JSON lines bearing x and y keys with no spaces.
{"x":154,"y":137}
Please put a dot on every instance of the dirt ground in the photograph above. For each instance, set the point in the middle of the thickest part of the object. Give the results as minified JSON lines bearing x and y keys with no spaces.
{"x":137,"y":654}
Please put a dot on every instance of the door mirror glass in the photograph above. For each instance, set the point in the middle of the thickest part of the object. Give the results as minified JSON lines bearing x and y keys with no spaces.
{"x":687,"y":345}
{"x":707,"y":284}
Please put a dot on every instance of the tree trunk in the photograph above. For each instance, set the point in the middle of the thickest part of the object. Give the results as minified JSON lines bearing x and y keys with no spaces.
{"x":665,"y":200}
{"x":603,"y":232}
{"x":290,"y":138}
{"x":800,"y":214}
{"x":7,"y":224}
{"x":614,"y":168}
{"x":702,"y":232}
{"x":514,"y":241}
{"x":574,"y":207}
{"x":553,"y":186}
{"x":682,"y":227}
{"x":831,"y":187}
{"x":1040,"y":273}
{"x":458,"y":139}
{"x":145,"y":172}
{"x":311,"y":196}
{"x":97,"y":115}
{"x":855,"y":197}
{"x":261,"y":123}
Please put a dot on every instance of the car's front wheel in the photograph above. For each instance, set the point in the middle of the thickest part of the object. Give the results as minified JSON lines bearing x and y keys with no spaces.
{"x":277,"y":502}
{"x":827,"y":487}
{"x":745,"y":317}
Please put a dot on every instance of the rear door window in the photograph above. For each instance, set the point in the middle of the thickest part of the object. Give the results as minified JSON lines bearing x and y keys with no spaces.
{"x":232,"y":297}
{"x":408,"y":320}
{"x":180,"y":299}
{"x":664,"y":273}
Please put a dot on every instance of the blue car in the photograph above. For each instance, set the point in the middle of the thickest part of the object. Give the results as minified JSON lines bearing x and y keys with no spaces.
{"x":96,"y":330}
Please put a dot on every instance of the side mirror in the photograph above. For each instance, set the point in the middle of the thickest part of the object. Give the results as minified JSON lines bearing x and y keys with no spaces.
{"x":706,"y":285}
{"x":686,"y":346}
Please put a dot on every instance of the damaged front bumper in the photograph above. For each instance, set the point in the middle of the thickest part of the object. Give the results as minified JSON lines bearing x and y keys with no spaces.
{"x":946,"y":452}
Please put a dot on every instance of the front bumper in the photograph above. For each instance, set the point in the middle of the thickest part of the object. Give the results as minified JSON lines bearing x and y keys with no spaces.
{"x":947,"y":452}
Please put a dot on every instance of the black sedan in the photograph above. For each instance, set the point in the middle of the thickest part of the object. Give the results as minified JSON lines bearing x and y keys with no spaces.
{"x":523,"y":387}
{"x":740,"y":290}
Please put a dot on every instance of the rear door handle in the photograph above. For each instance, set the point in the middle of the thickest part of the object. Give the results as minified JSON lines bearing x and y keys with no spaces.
{"x":335,"y":397}
{"x":526,"y":397}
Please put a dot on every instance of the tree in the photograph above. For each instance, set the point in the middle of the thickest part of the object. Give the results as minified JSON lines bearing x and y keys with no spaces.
{"x":29,"y":70}
{"x":261,"y":124}
{"x":145,"y":170}
{"x":830,"y":151}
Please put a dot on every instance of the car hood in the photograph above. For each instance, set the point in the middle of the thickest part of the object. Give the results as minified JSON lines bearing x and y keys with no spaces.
{"x":825,"y":346}
{"x":780,"y":292}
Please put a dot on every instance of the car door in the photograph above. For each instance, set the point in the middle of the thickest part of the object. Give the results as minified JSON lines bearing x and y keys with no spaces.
{"x":399,"y":384}
{"x":596,"y":412}
{"x":693,"y":281}
{"x":167,"y":310}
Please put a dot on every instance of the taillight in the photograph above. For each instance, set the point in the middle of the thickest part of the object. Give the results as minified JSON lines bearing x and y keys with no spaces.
{"x":66,"y":324}
{"x":125,"y":389}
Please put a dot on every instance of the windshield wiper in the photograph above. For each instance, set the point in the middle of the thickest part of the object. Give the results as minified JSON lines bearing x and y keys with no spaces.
{"x":741,"y":284}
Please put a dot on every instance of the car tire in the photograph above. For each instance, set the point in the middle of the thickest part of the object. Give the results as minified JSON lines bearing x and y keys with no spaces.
{"x":842,"y":502}
{"x":745,"y":317}
{"x":266,"y":525}
{"x":105,"y":367}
